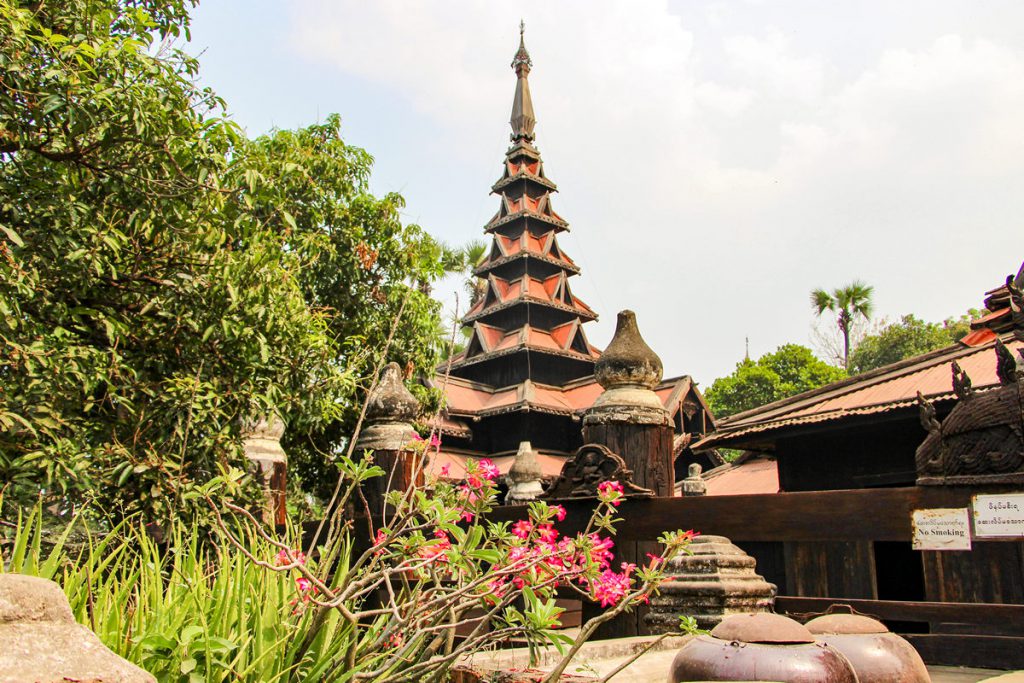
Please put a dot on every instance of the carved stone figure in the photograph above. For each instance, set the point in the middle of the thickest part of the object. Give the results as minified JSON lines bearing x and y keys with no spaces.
{"x":982,"y":438}
{"x":593,"y":464}
{"x":694,"y":484}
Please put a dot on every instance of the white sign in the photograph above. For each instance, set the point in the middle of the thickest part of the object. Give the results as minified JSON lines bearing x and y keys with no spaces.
{"x":999,"y":515}
{"x":942,"y":529}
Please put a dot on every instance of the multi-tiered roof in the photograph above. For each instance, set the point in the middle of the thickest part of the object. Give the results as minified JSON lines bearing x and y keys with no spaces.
{"x":527,"y":373}
{"x":527,"y":324}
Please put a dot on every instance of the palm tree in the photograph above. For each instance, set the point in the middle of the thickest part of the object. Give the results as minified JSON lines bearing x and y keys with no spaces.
{"x":847,"y":303}
{"x":474,"y":253}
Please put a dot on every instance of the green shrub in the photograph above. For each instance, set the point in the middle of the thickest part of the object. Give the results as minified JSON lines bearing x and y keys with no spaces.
{"x":190,"y":610}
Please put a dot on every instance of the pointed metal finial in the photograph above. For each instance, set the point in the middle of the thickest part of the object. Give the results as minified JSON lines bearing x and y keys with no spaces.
{"x":523,"y":119}
{"x":522,"y":62}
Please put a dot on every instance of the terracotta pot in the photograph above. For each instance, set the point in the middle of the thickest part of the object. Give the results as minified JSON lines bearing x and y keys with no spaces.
{"x":877,"y":655}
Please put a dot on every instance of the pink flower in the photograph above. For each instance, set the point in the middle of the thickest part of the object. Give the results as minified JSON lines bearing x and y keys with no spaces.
{"x":559,"y":512}
{"x":290,"y":556}
{"x":466,"y":515}
{"x":609,"y":587}
{"x":522,"y":528}
{"x":496,"y":588}
{"x":416,"y":437}
{"x":303,"y":584}
{"x":610,"y":492}
{"x":601,"y":551}
{"x":655,"y":559}
{"x":396,"y":639}
{"x":435,"y":440}
{"x":489,"y":470}
{"x":517,"y":553}
{"x":435,"y":551}
{"x":546,"y":533}
{"x":445,"y":470}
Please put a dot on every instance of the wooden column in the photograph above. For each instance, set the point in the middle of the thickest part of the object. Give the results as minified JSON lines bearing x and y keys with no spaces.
{"x":630,"y":420}
{"x":387,"y":435}
{"x":628,"y":417}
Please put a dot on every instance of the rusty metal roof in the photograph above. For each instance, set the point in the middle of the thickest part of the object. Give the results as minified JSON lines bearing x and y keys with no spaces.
{"x":879,"y":391}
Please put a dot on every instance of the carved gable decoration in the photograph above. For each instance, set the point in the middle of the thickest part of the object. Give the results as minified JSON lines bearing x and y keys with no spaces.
{"x":982,"y":438}
{"x":593,"y":464}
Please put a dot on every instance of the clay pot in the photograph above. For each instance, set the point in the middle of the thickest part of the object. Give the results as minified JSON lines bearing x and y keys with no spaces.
{"x":877,"y":655}
{"x":760,"y":647}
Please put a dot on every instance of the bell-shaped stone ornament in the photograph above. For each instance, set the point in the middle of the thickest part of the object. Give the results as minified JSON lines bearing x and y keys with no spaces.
{"x":389,"y":410}
{"x":877,"y":655}
{"x":760,"y":647}
{"x":525,"y":477}
{"x":628,"y":370}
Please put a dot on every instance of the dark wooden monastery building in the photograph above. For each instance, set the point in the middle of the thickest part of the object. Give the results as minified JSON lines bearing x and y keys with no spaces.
{"x":855,"y":459}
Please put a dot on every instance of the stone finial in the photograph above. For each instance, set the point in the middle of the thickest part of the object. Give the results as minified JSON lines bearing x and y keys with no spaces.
{"x":261,"y":439}
{"x":390,"y":409}
{"x":525,"y":476}
{"x":390,"y":400}
{"x":628,"y":370}
{"x":42,"y":641}
{"x":694,"y":484}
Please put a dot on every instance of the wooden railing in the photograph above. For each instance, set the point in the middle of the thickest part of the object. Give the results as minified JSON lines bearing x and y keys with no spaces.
{"x":973,"y":614}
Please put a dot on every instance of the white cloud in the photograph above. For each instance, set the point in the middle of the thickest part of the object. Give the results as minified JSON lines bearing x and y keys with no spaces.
{"x":714,"y":178}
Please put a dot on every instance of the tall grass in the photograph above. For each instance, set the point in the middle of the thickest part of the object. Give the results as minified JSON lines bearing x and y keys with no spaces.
{"x":186,"y":610}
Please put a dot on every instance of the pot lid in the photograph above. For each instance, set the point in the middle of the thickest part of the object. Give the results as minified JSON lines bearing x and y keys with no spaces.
{"x":762,"y":627}
{"x":834,"y":624}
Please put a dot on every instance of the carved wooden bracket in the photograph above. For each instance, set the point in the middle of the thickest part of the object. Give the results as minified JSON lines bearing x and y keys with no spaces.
{"x":982,"y":438}
{"x":591,"y":465}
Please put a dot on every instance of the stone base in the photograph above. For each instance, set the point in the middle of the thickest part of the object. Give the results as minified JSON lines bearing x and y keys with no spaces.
{"x":717,"y":580}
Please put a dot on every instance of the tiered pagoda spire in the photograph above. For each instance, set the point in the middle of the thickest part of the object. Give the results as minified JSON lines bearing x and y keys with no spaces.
{"x":527,"y":325}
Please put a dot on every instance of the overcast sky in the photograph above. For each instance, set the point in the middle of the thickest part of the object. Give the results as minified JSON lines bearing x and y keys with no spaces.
{"x":716,"y":161}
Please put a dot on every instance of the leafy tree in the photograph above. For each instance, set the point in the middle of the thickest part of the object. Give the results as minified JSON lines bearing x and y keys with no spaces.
{"x":910,"y":336}
{"x":359,"y":266}
{"x":162,"y":278}
{"x":848,"y":303}
{"x":789,"y":370}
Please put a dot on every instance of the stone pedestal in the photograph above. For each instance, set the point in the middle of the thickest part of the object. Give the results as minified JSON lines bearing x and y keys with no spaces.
{"x":717,"y":580}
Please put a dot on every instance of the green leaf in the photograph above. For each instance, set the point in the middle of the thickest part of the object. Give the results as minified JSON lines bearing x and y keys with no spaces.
{"x":11,"y":235}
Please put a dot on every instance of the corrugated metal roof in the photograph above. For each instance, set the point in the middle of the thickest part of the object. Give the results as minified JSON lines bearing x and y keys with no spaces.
{"x":760,"y":475}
